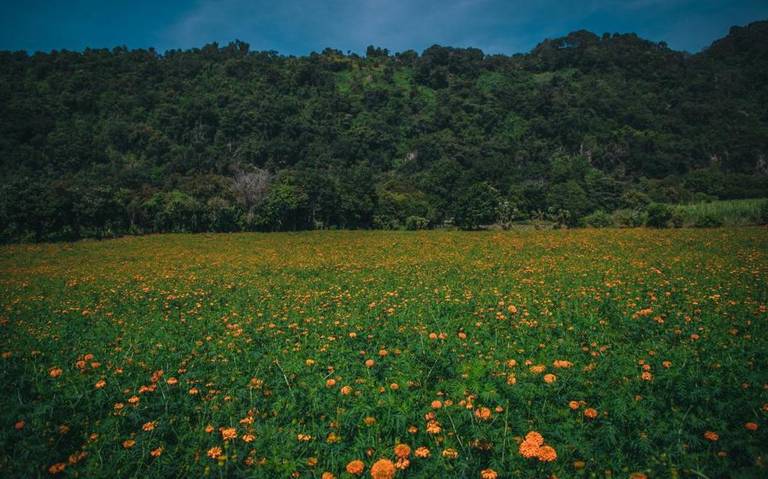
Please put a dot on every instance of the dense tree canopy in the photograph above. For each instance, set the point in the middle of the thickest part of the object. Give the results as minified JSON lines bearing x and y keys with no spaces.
{"x":105,"y":142}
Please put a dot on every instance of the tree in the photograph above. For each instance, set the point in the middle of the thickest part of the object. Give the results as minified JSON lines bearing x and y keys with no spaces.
{"x":476,"y":206}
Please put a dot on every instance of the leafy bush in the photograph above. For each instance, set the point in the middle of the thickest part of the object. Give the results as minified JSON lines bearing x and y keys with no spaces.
{"x":629,"y":218}
{"x":416,"y":223}
{"x":708,"y":221}
{"x":659,"y":215}
{"x":598,"y":219}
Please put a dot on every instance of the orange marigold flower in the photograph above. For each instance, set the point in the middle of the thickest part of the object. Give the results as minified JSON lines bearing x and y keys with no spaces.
{"x":528,"y":449}
{"x":549,"y":378}
{"x":534,"y":437}
{"x":402,"y":450}
{"x":369,"y":420}
{"x":751,"y":426}
{"x":330,"y":383}
{"x":133,"y":400}
{"x":54,"y":373}
{"x":638,"y":475}
{"x":171,"y":381}
{"x":19,"y":424}
{"x":711,"y":436}
{"x":57,"y":468}
{"x":247,"y":437}
{"x":228,"y":433}
{"x":574,"y":405}
{"x":590,"y":413}
{"x":356,"y":467}
{"x":646,"y":376}
{"x":561,"y":364}
{"x":402,"y":464}
{"x":483,"y":413}
{"x":450,"y":453}
{"x":422,"y":452}
{"x":433,"y":427}
{"x":149,"y":426}
{"x":129,"y":443}
{"x":383,"y":469}
{"x":214,"y":452}
{"x":546,"y":454}
{"x":436,"y":404}
{"x":346,"y":390}
{"x":328,"y":475}
{"x":156,"y":452}
{"x":488,"y":474}
{"x":538,"y":369}
{"x":369,"y":363}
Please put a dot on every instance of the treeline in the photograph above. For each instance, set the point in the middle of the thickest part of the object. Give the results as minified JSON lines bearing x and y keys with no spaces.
{"x":107,"y":142}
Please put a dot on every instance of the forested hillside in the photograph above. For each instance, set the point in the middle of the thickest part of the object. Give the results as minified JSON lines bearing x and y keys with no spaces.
{"x":106,"y":142}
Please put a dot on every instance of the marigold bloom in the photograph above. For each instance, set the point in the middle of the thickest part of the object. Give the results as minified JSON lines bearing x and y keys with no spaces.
{"x":156,"y":452}
{"x":711,"y":436}
{"x":57,"y":468}
{"x":574,"y":405}
{"x":483,"y":413}
{"x":369,"y":363}
{"x":638,"y":475}
{"x":528,"y":449}
{"x":646,"y":376}
{"x":383,"y":469}
{"x":534,"y":437}
{"x":171,"y":381}
{"x":562,"y":364}
{"x":436,"y":404}
{"x":328,"y":475}
{"x":590,"y":413}
{"x":546,"y":454}
{"x":751,"y":426}
{"x":330,"y":383}
{"x":149,"y":426}
{"x":54,"y":373}
{"x":488,"y":474}
{"x":422,"y":452}
{"x":346,"y":390}
{"x":133,"y":400}
{"x":19,"y":424}
{"x":369,"y":420}
{"x":549,"y":378}
{"x":402,"y":463}
{"x":450,"y":453}
{"x":228,"y":433}
{"x":538,"y":369}
{"x":247,"y":437}
{"x":433,"y":427}
{"x":356,"y":467}
{"x":214,"y":452}
{"x":402,"y":450}
{"x":129,"y":443}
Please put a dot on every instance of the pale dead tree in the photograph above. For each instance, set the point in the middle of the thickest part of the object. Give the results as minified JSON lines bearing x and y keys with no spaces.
{"x":251,"y":187}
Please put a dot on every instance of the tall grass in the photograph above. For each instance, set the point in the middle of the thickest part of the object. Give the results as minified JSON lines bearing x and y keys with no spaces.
{"x":728,"y":212}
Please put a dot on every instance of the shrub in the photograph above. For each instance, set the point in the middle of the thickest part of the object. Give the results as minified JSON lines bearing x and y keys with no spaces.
{"x":629,"y":218}
{"x":708,"y":220}
{"x":416,"y":223}
{"x":598,"y":219}
{"x":659,"y":215}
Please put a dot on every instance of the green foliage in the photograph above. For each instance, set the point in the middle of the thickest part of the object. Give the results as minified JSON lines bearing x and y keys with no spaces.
{"x":658,"y":215}
{"x":476,"y":206}
{"x":579,"y":124}
{"x":598,"y":219}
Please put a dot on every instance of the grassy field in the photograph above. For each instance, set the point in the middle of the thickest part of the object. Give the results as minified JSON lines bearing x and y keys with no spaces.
{"x":568,"y":354}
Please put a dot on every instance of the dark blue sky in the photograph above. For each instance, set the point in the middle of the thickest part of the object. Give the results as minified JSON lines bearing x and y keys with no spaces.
{"x":301,"y":26}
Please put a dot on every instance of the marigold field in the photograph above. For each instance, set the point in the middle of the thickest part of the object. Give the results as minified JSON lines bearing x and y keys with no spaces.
{"x":589,"y":353}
